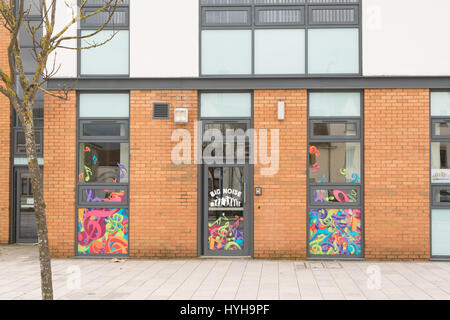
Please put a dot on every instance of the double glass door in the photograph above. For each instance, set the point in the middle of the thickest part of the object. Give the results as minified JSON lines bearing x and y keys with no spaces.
{"x":227,"y":211}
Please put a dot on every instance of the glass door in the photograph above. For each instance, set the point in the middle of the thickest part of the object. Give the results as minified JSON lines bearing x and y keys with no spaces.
{"x":25,"y":219}
{"x":227,"y":215}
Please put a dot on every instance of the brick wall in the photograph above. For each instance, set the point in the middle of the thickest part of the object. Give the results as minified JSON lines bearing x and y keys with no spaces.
{"x":280,"y":213}
{"x":397,"y":174}
{"x":60,"y":172}
{"x":163,"y":196}
{"x":5,"y":141}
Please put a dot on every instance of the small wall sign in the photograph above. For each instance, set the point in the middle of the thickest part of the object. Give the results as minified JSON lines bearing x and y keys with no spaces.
{"x":258,"y":191}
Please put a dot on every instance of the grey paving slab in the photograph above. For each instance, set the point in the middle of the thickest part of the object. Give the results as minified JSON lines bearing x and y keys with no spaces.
{"x":224,"y":279}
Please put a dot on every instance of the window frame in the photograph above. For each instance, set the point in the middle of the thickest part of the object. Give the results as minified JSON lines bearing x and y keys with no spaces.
{"x":435,"y":186}
{"x":120,"y":7}
{"x":80,"y":187}
{"x":306,"y":25}
{"x":311,"y":186}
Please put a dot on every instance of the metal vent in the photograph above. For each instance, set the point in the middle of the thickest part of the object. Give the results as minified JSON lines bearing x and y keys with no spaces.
{"x":279,"y":16}
{"x":276,"y":2}
{"x":225,"y":2}
{"x":160,"y":111}
{"x":332,"y":1}
{"x":324,"y":15}
{"x":226,"y":17}
{"x":119,"y":19}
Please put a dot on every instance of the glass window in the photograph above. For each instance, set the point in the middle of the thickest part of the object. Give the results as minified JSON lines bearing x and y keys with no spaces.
{"x":102,"y":231}
{"x":280,"y":51}
{"x":440,"y":162}
{"x":335,"y":129}
{"x":440,"y":104}
{"x":103,"y":162}
{"x":442,"y":195}
{"x":441,"y":128}
{"x":331,"y":196}
{"x":334,"y":104}
{"x":108,"y":105}
{"x":34,"y":6}
{"x":226,"y":52}
{"x":103,"y":129}
{"x":111,"y":58}
{"x":333,"y":51}
{"x":103,"y":195}
{"x":440,"y":227}
{"x":21,"y":144}
{"x":222,"y":105}
{"x":335,"y":162}
{"x":335,"y":232}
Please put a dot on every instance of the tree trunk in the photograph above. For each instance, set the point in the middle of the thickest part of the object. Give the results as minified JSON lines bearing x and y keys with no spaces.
{"x":39,"y":208}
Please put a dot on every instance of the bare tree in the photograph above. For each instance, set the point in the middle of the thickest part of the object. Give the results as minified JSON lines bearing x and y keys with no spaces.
{"x":46,"y":40}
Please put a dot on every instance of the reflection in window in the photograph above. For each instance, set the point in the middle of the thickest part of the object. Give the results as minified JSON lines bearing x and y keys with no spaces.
{"x":103,"y":162}
{"x":334,"y":129}
{"x":103,"y":195}
{"x":442,"y":128}
{"x":335,"y":162}
{"x":103,"y":129}
{"x":335,"y":195}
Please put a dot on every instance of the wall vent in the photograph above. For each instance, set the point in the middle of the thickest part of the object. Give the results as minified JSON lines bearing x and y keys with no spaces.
{"x":160,"y":111}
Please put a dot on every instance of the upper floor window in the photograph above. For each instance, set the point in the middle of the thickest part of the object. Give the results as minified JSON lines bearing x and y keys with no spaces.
{"x":113,"y":55}
{"x":280,"y":37}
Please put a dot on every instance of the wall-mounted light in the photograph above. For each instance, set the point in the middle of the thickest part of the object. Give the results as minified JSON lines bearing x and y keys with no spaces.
{"x":280,"y":110}
{"x":181,"y":115}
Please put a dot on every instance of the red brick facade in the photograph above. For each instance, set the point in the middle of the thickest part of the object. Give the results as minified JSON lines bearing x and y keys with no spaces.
{"x":280,"y":213}
{"x":60,"y":173}
{"x":397,"y":174}
{"x":5,"y":142}
{"x":163,"y":196}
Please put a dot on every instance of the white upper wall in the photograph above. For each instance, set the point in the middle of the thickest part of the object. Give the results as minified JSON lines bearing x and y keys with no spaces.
{"x":406,"y":37}
{"x":66,"y":60}
{"x":164,"y":38}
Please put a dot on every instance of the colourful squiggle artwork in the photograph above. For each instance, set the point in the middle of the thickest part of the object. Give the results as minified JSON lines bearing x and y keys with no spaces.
{"x":102,"y":231}
{"x":335,"y":232}
{"x":225,"y":234}
{"x":110,"y":196}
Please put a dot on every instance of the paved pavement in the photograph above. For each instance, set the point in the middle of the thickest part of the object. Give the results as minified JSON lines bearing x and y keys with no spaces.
{"x":223,"y":279}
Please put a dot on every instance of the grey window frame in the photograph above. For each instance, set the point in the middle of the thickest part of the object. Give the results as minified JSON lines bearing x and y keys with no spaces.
{"x":38,"y":132}
{"x":336,"y":186}
{"x":333,"y":205}
{"x":201,"y":251}
{"x":433,"y":185}
{"x":434,"y":121}
{"x":123,"y":121}
{"x":109,"y":205}
{"x":349,"y":120}
{"x":305,"y":26}
{"x":79,"y":204}
{"x":122,"y":6}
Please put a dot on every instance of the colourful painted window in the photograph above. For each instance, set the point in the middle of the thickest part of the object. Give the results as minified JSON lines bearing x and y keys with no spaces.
{"x":103,"y":174}
{"x":335,"y":175}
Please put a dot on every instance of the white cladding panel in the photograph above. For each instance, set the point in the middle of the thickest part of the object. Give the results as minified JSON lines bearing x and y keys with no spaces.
{"x":66,"y":60}
{"x":406,"y":37}
{"x":164,"y":38}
